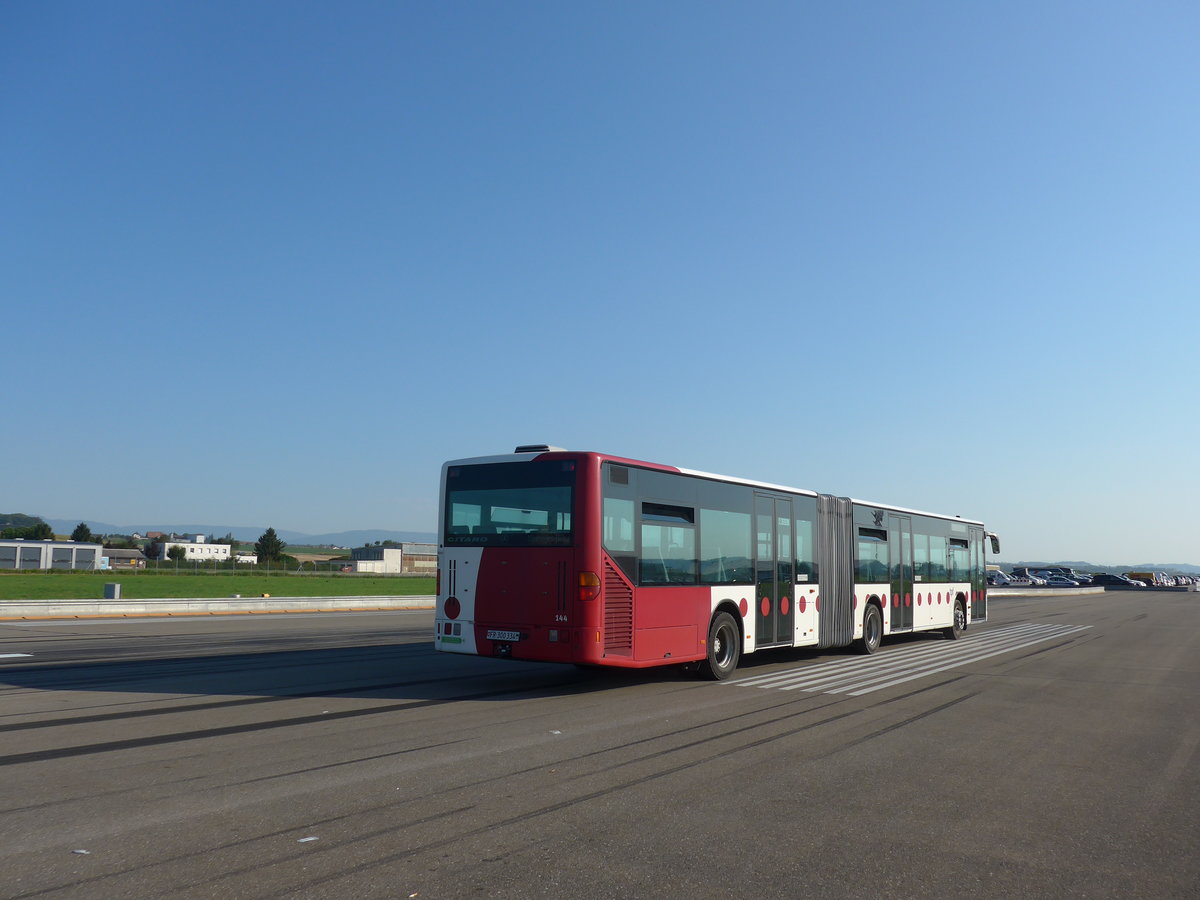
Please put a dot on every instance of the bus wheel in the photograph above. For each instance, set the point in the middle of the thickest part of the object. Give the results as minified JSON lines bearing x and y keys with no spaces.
{"x":960,"y":622}
{"x":872,"y":630}
{"x":724,"y":648}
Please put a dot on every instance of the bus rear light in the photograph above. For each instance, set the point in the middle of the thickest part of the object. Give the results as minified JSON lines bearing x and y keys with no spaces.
{"x":589,"y":585}
{"x":452,"y":608}
{"x":437,"y":587}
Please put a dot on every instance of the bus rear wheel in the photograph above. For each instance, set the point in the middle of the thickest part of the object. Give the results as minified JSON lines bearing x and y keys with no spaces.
{"x":872,"y":630}
{"x":724,"y":648}
{"x":954,"y":632}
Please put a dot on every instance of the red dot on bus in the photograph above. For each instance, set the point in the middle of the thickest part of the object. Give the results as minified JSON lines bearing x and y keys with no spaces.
{"x":765,"y":606}
{"x":784,"y":605}
{"x":896,"y":600}
{"x":744,"y":607}
{"x":452,"y":608}
{"x":817,"y":603}
{"x":908,"y":599}
{"x":802,"y":603}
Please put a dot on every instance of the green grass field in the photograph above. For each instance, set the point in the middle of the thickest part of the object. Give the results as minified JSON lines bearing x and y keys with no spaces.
{"x":151,"y":585}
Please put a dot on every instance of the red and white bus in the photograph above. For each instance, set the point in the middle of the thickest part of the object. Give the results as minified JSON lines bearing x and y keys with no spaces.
{"x":580,"y":557}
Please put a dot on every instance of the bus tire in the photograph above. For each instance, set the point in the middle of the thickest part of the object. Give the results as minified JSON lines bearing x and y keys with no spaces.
{"x":872,"y":630}
{"x":954,"y":632}
{"x":724,"y":648}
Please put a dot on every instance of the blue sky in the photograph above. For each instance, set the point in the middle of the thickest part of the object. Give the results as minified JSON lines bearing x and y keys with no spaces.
{"x":272,"y":263}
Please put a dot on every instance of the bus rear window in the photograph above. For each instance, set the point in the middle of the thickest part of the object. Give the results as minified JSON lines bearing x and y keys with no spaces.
{"x":525,"y":504}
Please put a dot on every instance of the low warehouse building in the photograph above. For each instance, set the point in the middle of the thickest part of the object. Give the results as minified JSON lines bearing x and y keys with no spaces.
{"x":406,"y":559}
{"x":19,"y":554}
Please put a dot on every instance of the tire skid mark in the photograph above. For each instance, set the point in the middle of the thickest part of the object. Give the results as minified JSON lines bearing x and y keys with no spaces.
{"x":896,"y":726}
{"x":346,"y":762}
{"x":222,"y":704}
{"x":394,"y":829}
{"x":603,"y":792}
{"x":251,"y":727}
{"x":233,"y":845}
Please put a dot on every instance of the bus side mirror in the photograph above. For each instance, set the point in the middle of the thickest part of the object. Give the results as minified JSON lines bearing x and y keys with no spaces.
{"x":995,"y":540}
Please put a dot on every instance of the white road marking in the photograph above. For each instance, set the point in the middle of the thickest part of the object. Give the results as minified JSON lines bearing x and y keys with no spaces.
{"x":13,"y":655}
{"x":866,"y":674}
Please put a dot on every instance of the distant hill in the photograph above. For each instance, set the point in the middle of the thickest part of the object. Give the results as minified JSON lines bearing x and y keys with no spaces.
{"x":252,"y":532}
{"x":20,"y":520}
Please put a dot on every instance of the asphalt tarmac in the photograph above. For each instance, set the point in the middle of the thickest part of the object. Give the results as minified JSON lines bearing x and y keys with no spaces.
{"x":1054,"y":751}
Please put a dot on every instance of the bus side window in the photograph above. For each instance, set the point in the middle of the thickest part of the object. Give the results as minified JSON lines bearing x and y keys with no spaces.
{"x":725,"y":552}
{"x":806,"y":555}
{"x":668,"y":544}
{"x":937,"y":557}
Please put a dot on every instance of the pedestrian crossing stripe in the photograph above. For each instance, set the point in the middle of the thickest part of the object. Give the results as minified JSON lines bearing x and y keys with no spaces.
{"x":866,"y":674}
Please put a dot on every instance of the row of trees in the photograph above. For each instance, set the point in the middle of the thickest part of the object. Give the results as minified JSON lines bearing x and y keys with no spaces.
{"x":15,"y":526}
{"x":269,"y":547}
{"x":40,"y":532}
{"x":31,"y":528}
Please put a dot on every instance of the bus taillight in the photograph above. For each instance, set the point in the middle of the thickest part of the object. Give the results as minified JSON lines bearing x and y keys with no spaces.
{"x":589,"y":585}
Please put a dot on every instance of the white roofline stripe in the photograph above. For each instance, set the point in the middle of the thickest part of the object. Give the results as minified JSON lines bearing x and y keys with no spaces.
{"x":766,"y":485}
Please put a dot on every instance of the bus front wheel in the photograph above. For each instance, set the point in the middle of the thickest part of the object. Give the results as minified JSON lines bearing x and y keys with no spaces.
{"x":724,"y":648}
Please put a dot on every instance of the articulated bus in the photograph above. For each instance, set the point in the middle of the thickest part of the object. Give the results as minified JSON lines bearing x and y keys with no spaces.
{"x":580,"y":557}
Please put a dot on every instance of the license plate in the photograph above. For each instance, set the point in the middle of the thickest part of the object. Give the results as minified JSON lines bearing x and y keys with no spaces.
{"x":494,"y":635}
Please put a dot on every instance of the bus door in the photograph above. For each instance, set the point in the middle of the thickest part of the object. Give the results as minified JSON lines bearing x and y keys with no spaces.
{"x":774,"y":560}
{"x":978,"y":576}
{"x":900,"y":541}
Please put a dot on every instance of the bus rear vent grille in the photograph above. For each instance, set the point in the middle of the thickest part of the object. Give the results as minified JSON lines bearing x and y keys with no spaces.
{"x":618,"y":612}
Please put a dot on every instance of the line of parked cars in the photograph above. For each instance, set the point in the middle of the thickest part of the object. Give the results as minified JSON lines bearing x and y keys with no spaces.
{"x":1060,"y":576}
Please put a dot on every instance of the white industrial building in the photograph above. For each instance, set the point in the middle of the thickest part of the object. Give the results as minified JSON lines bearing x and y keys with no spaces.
{"x":20,"y":554}
{"x":197,"y":549}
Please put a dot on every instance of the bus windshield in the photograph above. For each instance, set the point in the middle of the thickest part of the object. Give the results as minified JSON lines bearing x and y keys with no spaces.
{"x":525,"y":504}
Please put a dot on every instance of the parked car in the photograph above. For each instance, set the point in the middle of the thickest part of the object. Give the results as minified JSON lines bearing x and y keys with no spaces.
{"x":1030,"y":578}
{"x":998,"y":579}
{"x":1116,"y":580}
{"x":1061,"y":581}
